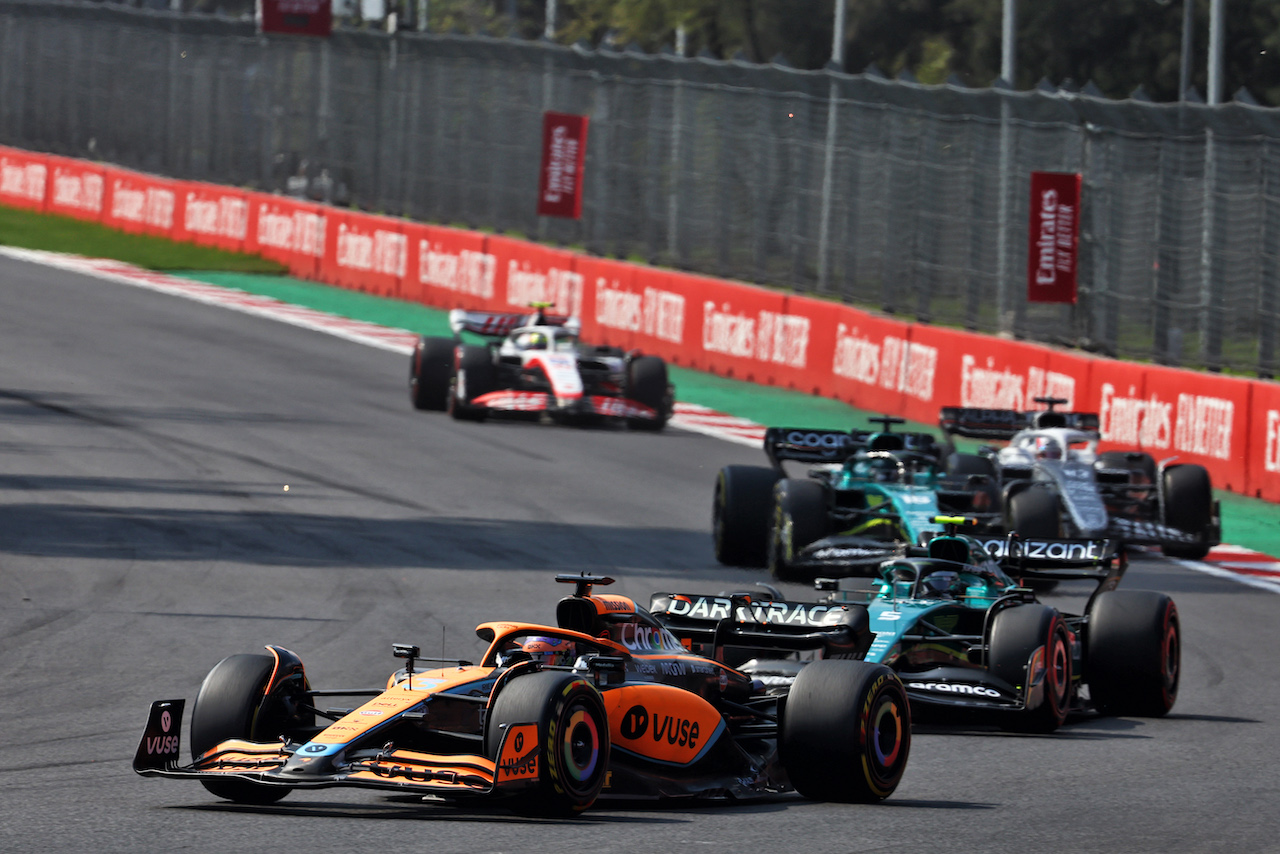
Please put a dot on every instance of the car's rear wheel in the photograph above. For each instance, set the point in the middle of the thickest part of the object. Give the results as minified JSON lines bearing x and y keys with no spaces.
{"x":476,"y":376}
{"x":1029,"y":648}
{"x":647,"y":384}
{"x":799,"y":518}
{"x":232,"y":703}
{"x":573,"y":739}
{"x":1133,"y":653}
{"x":845,"y":732}
{"x":430,"y":372}
{"x":1188,"y":506}
{"x":740,"y":514}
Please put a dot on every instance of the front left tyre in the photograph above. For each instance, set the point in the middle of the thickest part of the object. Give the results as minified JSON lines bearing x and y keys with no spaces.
{"x":233,"y":703}
{"x":476,"y":376}
{"x":430,"y":373}
{"x":845,"y":732}
{"x":573,"y":739}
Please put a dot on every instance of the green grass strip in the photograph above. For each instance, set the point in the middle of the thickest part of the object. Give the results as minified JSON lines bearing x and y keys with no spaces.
{"x":64,"y":234}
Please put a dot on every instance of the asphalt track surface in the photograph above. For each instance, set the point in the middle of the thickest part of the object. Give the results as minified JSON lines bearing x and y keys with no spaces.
{"x":146,"y":532}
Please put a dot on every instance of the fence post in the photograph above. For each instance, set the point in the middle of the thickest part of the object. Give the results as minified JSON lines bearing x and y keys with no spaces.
{"x":1004,"y":286}
{"x":828,"y":167}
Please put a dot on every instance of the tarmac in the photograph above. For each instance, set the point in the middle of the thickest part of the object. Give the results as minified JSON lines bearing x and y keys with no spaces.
{"x":1247,"y":522}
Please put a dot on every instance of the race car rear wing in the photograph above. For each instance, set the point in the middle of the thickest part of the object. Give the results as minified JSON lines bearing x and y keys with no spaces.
{"x":709,"y":623}
{"x":978,"y":423}
{"x":496,"y":324}
{"x":809,"y":445}
{"x":1061,"y":560}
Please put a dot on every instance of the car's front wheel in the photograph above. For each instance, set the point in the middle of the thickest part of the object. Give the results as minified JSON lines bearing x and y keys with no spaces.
{"x":572,"y":740}
{"x":1035,"y":513}
{"x":1031,"y":651}
{"x":233,"y":703}
{"x":475,"y":376}
{"x":430,"y":372}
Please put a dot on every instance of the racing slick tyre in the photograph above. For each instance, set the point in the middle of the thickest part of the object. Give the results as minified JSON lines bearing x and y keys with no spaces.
{"x":476,"y":376}
{"x":647,"y":384}
{"x":740,"y":514}
{"x":573,"y":739}
{"x":1188,"y":506}
{"x":845,"y":731}
{"x":799,"y":518}
{"x":230,"y":705}
{"x":1133,"y":653}
{"x":1030,"y":650}
{"x":960,"y":467}
{"x":430,"y":372}
{"x":1034,"y":514}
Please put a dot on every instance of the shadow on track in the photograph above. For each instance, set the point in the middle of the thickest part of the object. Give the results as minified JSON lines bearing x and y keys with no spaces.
{"x":259,"y":537}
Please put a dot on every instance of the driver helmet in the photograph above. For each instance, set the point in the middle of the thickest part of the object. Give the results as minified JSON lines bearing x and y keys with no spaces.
{"x":549,"y":651}
{"x":1047,"y":448}
{"x":941,"y":585}
{"x":535,"y":341}
{"x":883,"y":470}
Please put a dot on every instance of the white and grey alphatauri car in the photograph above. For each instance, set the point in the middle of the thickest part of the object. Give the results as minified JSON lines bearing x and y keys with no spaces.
{"x":536,"y":363}
{"x":1054,"y":482}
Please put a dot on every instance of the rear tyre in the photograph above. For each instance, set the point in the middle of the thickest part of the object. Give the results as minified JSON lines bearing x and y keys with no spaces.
{"x":740,"y":514}
{"x":1133,"y":653}
{"x":476,"y":376}
{"x":573,"y":739}
{"x":799,"y":518}
{"x":1188,"y":506}
{"x":230,"y":705}
{"x":845,"y":732}
{"x":647,"y":384}
{"x":1030,"y":646}
{"x":430,"y":372}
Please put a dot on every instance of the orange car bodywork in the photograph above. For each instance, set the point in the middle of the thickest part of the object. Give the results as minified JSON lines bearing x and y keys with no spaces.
{"x":651,"y":721}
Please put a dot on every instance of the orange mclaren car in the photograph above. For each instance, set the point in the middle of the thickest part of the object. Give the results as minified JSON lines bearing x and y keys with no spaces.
{"x":606,"y":702}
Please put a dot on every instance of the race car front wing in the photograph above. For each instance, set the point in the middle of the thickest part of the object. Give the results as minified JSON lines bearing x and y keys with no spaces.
{"x":316,"y":766}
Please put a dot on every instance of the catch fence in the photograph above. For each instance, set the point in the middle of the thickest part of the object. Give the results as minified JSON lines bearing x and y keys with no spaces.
{"x":885,"y":194}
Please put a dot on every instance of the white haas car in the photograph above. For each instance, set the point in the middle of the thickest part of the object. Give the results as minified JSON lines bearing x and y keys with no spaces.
{"x":1054,"y":482}
{"x":535,"y":363}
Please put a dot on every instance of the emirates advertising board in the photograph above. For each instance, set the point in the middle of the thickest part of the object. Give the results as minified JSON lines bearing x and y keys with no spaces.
{"x":564,"y":151}
{"x":1054,"y":237}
